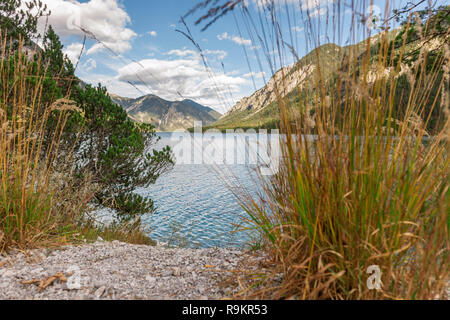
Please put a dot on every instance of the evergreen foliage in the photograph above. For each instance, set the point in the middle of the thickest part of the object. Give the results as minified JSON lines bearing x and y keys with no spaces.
{"x":106,"y":143}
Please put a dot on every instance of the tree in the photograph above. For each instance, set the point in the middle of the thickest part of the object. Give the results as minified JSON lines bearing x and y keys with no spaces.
{"x":20,"y":19}
{"x":108,"y":145}
{"x":433,"y":24}
{"x":426,"y":27}
{"x":58,"y":64}
{"x":116,"y":151}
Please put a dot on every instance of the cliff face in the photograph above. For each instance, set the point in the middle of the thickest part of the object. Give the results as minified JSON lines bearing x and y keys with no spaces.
{"x":321,"y":64}
{"x":259,"y":108}
{"x":166,"y":115}
{"x":284,"y":81}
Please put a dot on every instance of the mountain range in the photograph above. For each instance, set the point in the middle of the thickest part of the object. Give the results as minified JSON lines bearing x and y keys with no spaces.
{"x":255,"y":111}
{"x":166,"y":115}
{"x":299,"y":81}
{"x":261,"y":110}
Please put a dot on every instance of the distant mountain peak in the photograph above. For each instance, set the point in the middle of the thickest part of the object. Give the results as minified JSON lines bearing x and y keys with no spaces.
{"x":166,"y":115}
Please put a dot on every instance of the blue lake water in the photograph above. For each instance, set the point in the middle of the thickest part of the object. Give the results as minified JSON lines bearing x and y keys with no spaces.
{"x":195,"y":206}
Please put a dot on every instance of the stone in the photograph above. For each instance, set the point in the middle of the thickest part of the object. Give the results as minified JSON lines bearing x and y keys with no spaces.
{"x":177,"y":272}
{"x":167,"y":273}
{"x":99,"y":292}
{"x":129,"y":272}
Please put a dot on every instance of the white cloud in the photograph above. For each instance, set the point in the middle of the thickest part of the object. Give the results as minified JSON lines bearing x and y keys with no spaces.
{"x":153,"y":33}
{"x":241,"y":41}
{"x":106,"y":19}
{"x":313,"y":6}
{"x":256,"y":75}
{"x":89,"y":65}
{"x":234,"y":72}
{"x":73,"y":51}
{"x":220,"y":54}
{"x":182,"y":53}
{"x":183,"y":78}
{"x":318,"y":12}
{"x":298,"y":29}
{"x":110,"y":82}
{"x":235,"y":39}
{"x":222,"y":36}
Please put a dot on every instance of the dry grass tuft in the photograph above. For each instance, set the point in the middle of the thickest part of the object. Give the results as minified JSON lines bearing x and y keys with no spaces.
{"x":361,"y":182}
{"x":28,"y":216}
{"x":42,"y":202}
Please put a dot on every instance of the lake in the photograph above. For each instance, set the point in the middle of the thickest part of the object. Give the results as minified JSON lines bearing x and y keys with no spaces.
{"x":195,"y":207}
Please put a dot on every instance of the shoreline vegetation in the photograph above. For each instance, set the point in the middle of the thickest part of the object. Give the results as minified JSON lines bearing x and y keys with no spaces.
{"x":336,"y":209}
{"x":43,"y":202}
{"x":65,"y":147}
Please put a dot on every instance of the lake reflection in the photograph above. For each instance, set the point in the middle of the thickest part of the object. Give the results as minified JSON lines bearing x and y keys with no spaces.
{"x":195,"y":208}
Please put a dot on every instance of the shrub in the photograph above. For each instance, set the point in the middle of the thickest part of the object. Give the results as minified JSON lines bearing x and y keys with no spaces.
{"x":117,"y":151}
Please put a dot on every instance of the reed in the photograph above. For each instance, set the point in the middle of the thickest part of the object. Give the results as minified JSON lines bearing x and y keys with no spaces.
{"x":43,"y":203}
{"x":371,"y":189}
{"x":34,"y":203}
{"x":368,"y":191}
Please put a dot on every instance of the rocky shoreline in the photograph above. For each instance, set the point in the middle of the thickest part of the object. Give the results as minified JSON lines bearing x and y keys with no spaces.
{"x":121,"y":271}
{"x":114,"y":270}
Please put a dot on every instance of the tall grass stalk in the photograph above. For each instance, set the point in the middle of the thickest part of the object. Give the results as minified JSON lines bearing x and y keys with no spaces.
{"x":42,"y":201}
{"x":29,"y":183}
{"x":372,"y":187}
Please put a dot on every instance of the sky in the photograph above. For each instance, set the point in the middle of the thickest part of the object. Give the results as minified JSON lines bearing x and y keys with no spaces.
{"x":132,"y":46}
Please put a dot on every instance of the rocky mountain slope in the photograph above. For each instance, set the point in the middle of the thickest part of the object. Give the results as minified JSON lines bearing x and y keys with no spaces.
{"x":260,"y":109}
{"x":167,"y":115}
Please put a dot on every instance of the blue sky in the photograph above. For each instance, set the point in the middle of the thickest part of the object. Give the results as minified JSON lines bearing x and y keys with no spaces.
{"x":141,"y":53}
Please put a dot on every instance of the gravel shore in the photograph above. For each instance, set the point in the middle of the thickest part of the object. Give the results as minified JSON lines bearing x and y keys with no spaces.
{"x":122,"y":271}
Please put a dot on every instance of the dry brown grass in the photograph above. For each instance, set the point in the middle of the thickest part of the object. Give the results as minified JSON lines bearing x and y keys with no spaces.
{"x":27,"y":213}
{"x":42,"y":202}
{"x":367,"y":190}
